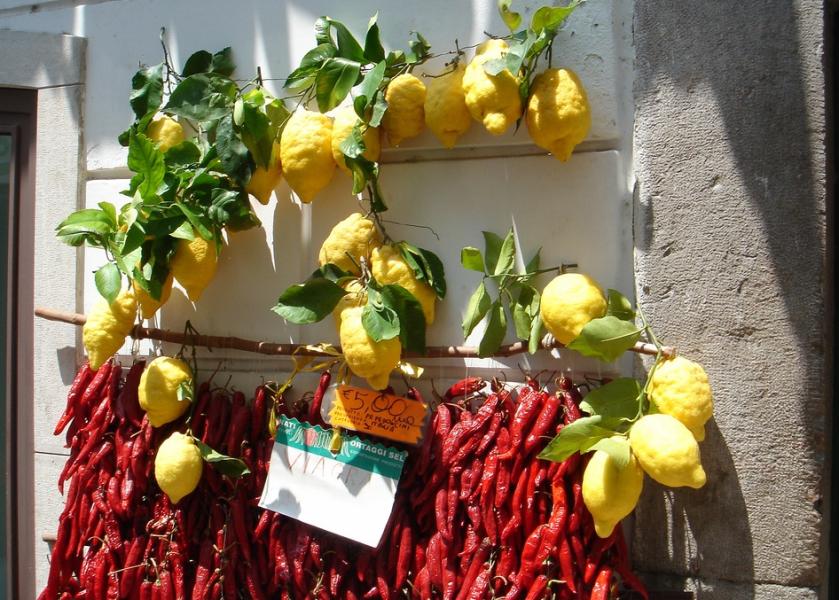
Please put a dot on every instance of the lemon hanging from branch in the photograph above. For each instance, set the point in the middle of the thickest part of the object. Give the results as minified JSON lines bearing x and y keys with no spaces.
{"x":194,"y":265}
{"x":558,"y":112}
{"x":446,"y":113}
{"x":492,"y":99}
{"x":107,"y":326}
{"x":306,"y":153}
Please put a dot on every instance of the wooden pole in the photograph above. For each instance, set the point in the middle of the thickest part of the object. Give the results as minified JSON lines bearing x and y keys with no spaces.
{"x":271,"y":348}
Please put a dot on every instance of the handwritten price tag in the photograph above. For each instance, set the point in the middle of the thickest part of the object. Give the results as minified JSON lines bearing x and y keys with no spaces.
{"x":383,"y":415}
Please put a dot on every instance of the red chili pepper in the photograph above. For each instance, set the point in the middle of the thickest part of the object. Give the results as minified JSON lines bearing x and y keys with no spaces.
{"x":572,"y":410}
{"x":403,"y":562}
{"x":537,"y":589}
{"x":502,"y":485}
{"x":477,"y":559}
{"x":595,"y":553}
{"x":602,"y":586}
{"x":464,"y":387}
{"x":491,"y":433}
{"x":238,"y":429}
{"x":544,"y":422}
{"x":127,"y":404}
{"x":80,"y":382}
{"x":529,"y":555}
{"x":526,"y":411}
{"x":146,"y":590}
{"x":317,"y":398}
{"x":434,"y":558}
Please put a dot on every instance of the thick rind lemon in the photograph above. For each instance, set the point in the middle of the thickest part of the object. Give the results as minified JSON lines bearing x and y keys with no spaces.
{"x":679,"y":387}
{"x":611,"y":493}
{"x":356,"y":296}
{"x":558,"y":113}
{"x":165,"y":132}
{"x":107,"y":326}
{"x":388,"y":267}
{"x":148,"y":305}
{"x":263,"y":181}
{"x":446,"y":113}
{"x":355,"y":236}
{"x":492,"y":99}
{"x":366,"y":358}
{"x":342,"y":126}
{"x":194,"y":265}
{"x":405,"y":115}
{"x":306,"y":153}
{"x":178,"y":466}
{"x":158,"y":390}
{"x":667,"y":451}
{"x":569,"y":302}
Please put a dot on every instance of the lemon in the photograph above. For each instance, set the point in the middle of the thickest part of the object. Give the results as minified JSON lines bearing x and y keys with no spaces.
{"x":667,"y":451}
{"x":194,"y":265}
{"x":178,"y":466}
{"x":679,"y":387}
{"x":446,"y":113}
{"x":342,"y":126}
{"x":355,"y":236}
{"x":263,"y":180}
{"x":569,"y":302}
{"x":306,"y":153}
{"x":107,"y":326}
{"x":405,"y":115}
{"x":388,"y":267}
{"x":558,"y":114}
{"x":165,"y":132}
{"x":148,"y":305}
{"x":158,"y":390}
{"x":366,"y":358}
{"x":356,"y":296}
{"x":609,"y":492}
{"x":492,"y":99}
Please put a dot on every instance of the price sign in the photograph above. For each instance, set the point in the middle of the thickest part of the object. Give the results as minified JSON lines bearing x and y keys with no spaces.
{"x":377,"y":413}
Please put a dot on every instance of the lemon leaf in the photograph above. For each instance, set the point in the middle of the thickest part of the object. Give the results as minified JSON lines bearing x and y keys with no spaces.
{"x":619,"y":306}
{"x":616,"y":447}
{"x":304,"y":75}
{"x":492,"y":248}
{"x":536,"y":329}
{"x":198,"y":62}
{"x":549,"y":19}
{"x":202,"y":97}
{"x":222,"y":62}
{"x":348,"y":46}
{"x":226,"y":465}
{"x":411,"y":318}
{"x":476,"y":310}
{"x":108,"y":281}
{"x":525,"y":309}
{"x":147,"y":161}
{"x":472,"y":259}
{"x":606,"y":338}
{"x":309,"y":302}
{"x":234,"y":155}
{"x":615,"y":400}
{"x":582,"y":433}
{"x":495,"y":331}
{"x":506,"y":255}
{"x":511,"y":19}
{"x":334,"y":81}
{"x":380,"y":320}
{"x":146,"y":90}
{"x":373,"y":49}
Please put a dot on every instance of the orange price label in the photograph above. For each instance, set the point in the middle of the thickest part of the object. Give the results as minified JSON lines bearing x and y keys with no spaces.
{"x":377,"y":413}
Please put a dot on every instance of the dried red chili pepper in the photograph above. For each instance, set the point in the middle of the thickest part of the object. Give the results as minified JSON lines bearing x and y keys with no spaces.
{"x":544,"y":422}
{"x":80,"y":382}
{"x":527,"y":410}
{"x":317,"y":398}
{"x":464,"y":387}
{"x":602,"y":585}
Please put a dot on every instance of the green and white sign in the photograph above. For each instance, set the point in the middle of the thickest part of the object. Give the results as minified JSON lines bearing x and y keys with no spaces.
{"x":350,"y":493}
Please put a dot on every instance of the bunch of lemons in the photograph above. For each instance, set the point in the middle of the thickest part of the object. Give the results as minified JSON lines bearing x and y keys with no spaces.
{"x":664,"y":443}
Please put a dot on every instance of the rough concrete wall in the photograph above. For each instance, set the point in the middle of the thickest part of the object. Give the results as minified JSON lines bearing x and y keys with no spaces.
{"x":730,"y":238}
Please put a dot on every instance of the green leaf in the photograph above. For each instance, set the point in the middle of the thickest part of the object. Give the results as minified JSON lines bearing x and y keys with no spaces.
{"x":185,"y":231}
{"x":575,"y":437}
{"x":419,"y":49}
{"x":304,"y":75}
{"x":549,"y":19}
{"x":309,"y":302}
{"x":332,"y":273}
{"x":536,"y":332}
{"x":511,"y":19}
{"x":322,"y":31}
{"x":411,"y":318}
{"x":495,"y":331}
{"x":426,"y":266}
{"x":202,"y":97}
{"x":367,"y":89}
{"x":198,"y":62}
{"x":379,"y":110}
{"x":492,"y":248}
{"x":147,"y":161}
{"x":494,"y":66}
{"x":525,"y":309}
{"x":334,"y":81}
{"x":506,"y":255}
{"x":363,"y":171}
{"x":185,"y":153}
{"x":226,"y":465}
{"x":618,"y":305}
{"x":617,"y":447}
{"x":108,"y":281}
{"x":533,"y":264}
{"x":614,"y":401}
{"x":234,"y":156}
{"x":373,"y":49}
{"x":472,"y":259}
{"x":476,"y":310}
{"x":353,"y":145}
{"x":278,"y":116}
{"x":606,"y":338}
{"x":133,"y":239}
{"x":186,"y":390}
{"x":379,"y":319}
{"x":146,"y":91}
{"x":348,"y":46}
{"x":223,"y":62}
{"x":199,"y":222}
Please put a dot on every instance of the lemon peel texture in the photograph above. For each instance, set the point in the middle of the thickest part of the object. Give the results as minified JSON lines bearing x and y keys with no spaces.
{"x":107,"y":326}
{"x":569,"y":302}
{"x":158,"y":390}
{"x":306,"y":153}
{"x":558,"y":112}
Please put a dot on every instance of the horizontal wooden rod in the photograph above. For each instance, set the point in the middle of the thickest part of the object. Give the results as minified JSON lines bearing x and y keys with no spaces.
{"x":271,"y":348}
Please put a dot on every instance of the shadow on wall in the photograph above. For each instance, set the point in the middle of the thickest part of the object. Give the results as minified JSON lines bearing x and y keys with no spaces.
{"x":747,"y":58}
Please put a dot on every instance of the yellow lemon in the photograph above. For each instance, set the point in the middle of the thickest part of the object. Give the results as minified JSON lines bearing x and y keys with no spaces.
{"x":355,"y":236}
{"x":107,"y":326}
{"x":667,"y":451}
{"x":178,"y":466}
{"x":148,"y":305}
{"x":165,"y":132}
{"x":679,"y":387}
{"x":366,"y":358}
{"x":405,"y":115}
{"x":609,"y":492}
{"x":569,"y":302}
{"x":263,"y":180}
{"x":306,"y":153}
{"x":194,"y":265}
{"x":446,"y":113}
{"x":356,"y":296}
{"x":558,"y":114}
{"x":158,"y":389}
{"x":342,"y":126}
{"x":388,"y":267}
{"x":492,"y":99}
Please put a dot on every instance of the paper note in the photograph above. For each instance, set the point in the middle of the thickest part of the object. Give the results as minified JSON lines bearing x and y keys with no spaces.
{"x":350,"y":494}
{"x":383,"y":415}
